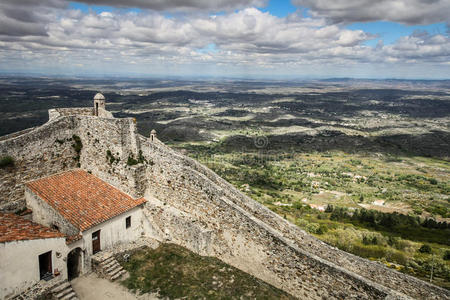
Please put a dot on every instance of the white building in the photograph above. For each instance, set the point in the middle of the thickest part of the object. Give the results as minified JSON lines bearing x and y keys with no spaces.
{"x":75,"y":215}
{"x":92,"y":214}
{"x":29,"y":252}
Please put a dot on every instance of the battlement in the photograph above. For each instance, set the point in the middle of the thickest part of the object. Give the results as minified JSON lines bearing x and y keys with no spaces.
{"x":190,"y":205}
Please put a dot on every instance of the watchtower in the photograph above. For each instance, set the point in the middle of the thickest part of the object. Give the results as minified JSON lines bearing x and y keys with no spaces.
{"x":152,"y":134}
{"x":99,"y":102}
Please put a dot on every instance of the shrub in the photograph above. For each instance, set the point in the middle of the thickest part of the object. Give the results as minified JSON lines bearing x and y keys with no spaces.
{"x":313,"y":228}
{"x":6,"y":161}
{"x":446,"y":255}
{"x":322,"y":229}
{"x":425,"y":249}
{"x":132,"y":161}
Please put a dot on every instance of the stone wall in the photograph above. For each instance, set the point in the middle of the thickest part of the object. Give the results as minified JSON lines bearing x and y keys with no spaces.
{"x":107,"y":145}
{"x":49,"y":149}
{"x":42,"y":151}
{"x":81,"y":111}
{"x":249,"y":236}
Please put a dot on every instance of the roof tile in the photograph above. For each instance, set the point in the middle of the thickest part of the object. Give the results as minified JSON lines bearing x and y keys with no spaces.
{"x":82,"y":198}
{"x":15,"y":228}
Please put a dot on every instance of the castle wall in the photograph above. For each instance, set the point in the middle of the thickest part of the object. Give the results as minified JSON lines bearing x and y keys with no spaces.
{"x":249,"y":236}
{"x":238,"y":238}
{"x":43,"y":151}
{"x":101,"y":136}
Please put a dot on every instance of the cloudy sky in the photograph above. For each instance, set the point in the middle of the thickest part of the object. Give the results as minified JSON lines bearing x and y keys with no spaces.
{"x":231,"y":38}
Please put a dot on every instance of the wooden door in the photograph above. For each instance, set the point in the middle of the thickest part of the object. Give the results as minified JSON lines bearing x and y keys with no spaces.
{"x":45,"y":265}
{"x":96,"y":242}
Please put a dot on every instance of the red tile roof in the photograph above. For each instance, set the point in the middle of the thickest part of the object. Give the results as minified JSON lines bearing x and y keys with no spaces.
{"x":73,"y":238}
{"x":82,"y":198}
{"x":15,"y":228}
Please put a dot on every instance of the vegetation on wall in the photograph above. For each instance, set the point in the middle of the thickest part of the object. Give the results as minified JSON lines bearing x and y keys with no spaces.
{"x":77,"y":146}
{"x":6,"y":161}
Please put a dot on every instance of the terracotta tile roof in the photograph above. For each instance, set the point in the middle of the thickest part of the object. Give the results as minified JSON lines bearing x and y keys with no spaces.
{"x":15,"y":228}
{"x":73,"y":238}
{"x":82,"y":198}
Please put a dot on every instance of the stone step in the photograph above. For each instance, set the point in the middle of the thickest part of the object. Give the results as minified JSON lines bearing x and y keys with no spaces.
{"x":112,"y":267}
{"x":69,"y":296}
{"x":115,"y":271}
{"x":111,"y":264}
{"x":107,"y":260}
{"x":64,"y":292}
{"x":118,"y":275}
{"x":60,"y":286}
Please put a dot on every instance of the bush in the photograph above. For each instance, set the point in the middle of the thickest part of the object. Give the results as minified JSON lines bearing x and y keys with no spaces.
{"x":446,"y":255}
{"x":132,"y":161}
{"x":425,"y":249}
{"x":6,"y":161}
{"x":313,"y":227}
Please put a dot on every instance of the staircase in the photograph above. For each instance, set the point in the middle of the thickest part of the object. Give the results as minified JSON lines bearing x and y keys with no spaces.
{"x":64,"y":291}
{"x":107,"y":266}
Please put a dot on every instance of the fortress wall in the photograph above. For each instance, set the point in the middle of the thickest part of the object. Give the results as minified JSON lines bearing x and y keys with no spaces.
{"x":37,"y":153}
{"x":240,"y":239}
{"x":168,"y":183}
{"x":100,"y":135}
{"x":372,"y":270}
{"x":85,"y":111}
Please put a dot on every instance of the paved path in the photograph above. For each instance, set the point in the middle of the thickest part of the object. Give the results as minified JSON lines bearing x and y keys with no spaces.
{"x":91,"y":287}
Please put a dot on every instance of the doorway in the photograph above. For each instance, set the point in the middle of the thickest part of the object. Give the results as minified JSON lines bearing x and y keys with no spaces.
{"x":45,"y":266}
{"x":96,"y":109}
{"x":96,"y":242}
{"x":74,"y":263}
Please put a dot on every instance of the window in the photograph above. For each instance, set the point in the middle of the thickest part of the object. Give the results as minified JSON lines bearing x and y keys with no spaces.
{"x":128,"y":222}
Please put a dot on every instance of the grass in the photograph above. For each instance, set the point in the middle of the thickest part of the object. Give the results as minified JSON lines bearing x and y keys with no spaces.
{"x":174,"y":272}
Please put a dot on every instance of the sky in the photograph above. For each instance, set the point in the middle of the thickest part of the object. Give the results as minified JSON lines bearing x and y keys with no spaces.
{"x":284,"y":39}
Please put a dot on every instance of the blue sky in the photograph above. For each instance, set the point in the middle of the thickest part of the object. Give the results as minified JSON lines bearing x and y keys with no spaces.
{"x":295,"y":39}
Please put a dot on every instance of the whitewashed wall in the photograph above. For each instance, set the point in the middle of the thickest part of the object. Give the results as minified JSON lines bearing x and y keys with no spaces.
{"x":19,"y":263}
{"x":113,"y":232}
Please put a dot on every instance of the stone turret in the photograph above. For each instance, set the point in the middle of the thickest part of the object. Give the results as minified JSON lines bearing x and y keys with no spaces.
{"x":99,"y":102}
{"x":152,"y":134}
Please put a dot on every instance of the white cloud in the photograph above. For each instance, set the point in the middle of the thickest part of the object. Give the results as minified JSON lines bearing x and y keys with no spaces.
{"x":244,"y":40}
{"x":402,"y":11}
{"x":181,"y":5}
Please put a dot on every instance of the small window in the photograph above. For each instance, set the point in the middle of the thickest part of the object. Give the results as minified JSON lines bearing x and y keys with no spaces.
{"x":128,"y":222}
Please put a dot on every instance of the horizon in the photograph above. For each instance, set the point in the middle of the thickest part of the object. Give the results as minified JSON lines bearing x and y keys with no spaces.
{"x":276,"y":40}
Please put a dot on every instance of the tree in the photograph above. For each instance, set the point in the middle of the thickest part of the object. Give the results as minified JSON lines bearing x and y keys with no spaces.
{"x":425,"y":249}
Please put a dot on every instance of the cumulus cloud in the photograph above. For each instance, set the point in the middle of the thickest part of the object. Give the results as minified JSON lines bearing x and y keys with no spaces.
{"x":247,"y":38}
{"x":403,"y":11}
{"x":181,"y":5}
